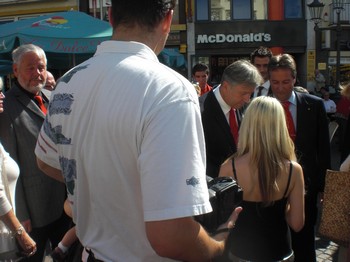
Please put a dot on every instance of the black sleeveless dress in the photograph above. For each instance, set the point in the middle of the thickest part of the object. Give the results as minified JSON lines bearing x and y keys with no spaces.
{"x":261,"y":233}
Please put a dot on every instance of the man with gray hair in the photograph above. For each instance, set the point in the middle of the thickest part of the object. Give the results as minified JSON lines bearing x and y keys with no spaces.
{"x":221,"y":114}
{"x":39,"y":198}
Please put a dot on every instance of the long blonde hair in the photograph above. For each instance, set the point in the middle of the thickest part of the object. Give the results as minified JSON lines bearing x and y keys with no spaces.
{"x":264,"y":135}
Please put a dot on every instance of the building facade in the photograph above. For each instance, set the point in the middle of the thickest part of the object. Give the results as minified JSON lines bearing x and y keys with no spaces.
{"x":218,"y":32}
{"x":13,"y":10}
{"x":326,"y":37}
{"x":222,"y":31}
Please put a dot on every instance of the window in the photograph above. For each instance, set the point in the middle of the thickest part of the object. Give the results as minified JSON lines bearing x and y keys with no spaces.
{"x":176,"y":17}
{"x":228,"y":10}
{"x":219,"y":10}
{"x":292,"y":9}
{"x":202,"y":9}
{"x":241,"y":9}
{"x":260,"y":10}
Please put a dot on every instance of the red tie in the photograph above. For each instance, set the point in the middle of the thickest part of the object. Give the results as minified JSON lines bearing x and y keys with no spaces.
{"x":289,"y":120}
{"x":41,"y":104}
{"x":234,"y":124}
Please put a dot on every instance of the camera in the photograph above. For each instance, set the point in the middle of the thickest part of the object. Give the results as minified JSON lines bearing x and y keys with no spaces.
{"x":224,"y":195}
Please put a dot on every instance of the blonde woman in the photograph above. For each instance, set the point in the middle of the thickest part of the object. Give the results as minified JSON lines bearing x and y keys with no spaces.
{"x":7,"y":213}
{"x":273,"y":200}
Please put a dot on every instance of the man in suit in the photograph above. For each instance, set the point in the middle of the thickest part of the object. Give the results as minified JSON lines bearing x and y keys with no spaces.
{"x":311,"y":139}
{"x":237,"y":84}
{"x":260,"y":58}
{"x":39,"y":199}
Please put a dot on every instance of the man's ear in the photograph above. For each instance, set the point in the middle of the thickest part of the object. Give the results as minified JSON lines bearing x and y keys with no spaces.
{"x":225,"y":84}
{"x":110,"y":17}
{"x":15,"y":69}
{"x":167,"y":21}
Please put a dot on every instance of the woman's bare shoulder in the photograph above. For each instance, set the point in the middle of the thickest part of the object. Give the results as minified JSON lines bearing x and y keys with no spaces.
{"x":226,"y":168}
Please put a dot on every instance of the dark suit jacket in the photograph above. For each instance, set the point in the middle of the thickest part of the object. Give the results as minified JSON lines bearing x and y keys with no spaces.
{"x":346,"y":146}
{"x":38,"y":197}
{"x":312,"y":141}
{"x":218,"y":138}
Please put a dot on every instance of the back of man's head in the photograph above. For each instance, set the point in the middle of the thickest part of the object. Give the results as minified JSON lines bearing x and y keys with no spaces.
{"x":144,"y":13}
{"x":241,"y":72}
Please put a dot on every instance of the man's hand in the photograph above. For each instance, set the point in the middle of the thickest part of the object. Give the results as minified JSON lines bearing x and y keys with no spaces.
{"x":186,"y":240}
{"x":229,"y":224}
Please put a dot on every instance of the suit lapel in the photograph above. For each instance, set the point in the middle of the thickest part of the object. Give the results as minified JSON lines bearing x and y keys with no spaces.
{"x":46,"y":94}
{"x":303,"y":110}
{"x":27,"y":102}
{"x":218,"y":116}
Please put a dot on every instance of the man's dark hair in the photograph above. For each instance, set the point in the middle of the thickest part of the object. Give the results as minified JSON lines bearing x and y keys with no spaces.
{"x":262,"y":51}
{"x":144,"y":13}
{"x":200,"y":68}
{"x":284,"y":61}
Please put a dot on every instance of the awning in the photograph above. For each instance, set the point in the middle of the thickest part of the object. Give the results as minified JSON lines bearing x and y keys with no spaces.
{"x":5,"y":67}
{"x":172,"y":58}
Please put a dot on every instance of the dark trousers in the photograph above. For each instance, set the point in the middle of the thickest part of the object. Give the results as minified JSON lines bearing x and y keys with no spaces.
{"x":91,"y":257}
{"x":53,"y":232}
{"x":303,"y":242}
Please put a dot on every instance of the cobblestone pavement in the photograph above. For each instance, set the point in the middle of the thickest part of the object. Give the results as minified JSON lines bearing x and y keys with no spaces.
{"x":326,"y":250}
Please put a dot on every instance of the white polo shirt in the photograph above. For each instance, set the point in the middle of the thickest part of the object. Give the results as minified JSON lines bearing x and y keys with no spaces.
{"x":126,"y":131}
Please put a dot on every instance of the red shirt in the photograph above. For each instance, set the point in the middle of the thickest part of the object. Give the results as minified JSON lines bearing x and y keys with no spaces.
{"x":343,"y":106}
{"x":206,"y":89}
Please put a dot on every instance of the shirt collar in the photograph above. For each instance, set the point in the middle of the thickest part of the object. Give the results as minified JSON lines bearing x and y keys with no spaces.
{"x":293,"y":99}
{"x":266,"y":85}
{"x":29,"y":94}
{"x":225,"y":107}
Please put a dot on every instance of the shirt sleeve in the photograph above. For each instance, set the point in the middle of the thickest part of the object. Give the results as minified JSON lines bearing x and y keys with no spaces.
{"x":46,"y":149}
{"x":176,"y":185}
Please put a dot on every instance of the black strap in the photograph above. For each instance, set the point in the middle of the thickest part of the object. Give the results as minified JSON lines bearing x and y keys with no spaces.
{"x":234,"y":169}
{"x":91,"y":257}
{"x":289,"y":177}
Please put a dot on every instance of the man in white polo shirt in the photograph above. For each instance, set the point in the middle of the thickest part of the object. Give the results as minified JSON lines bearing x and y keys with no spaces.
{"x":126,"y":133}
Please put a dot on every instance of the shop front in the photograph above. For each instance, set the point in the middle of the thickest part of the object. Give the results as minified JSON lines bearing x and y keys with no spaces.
{"x":218,"y":44}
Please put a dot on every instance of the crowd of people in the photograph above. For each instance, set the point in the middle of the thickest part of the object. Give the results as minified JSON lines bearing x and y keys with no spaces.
{"x":112,"y":159}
